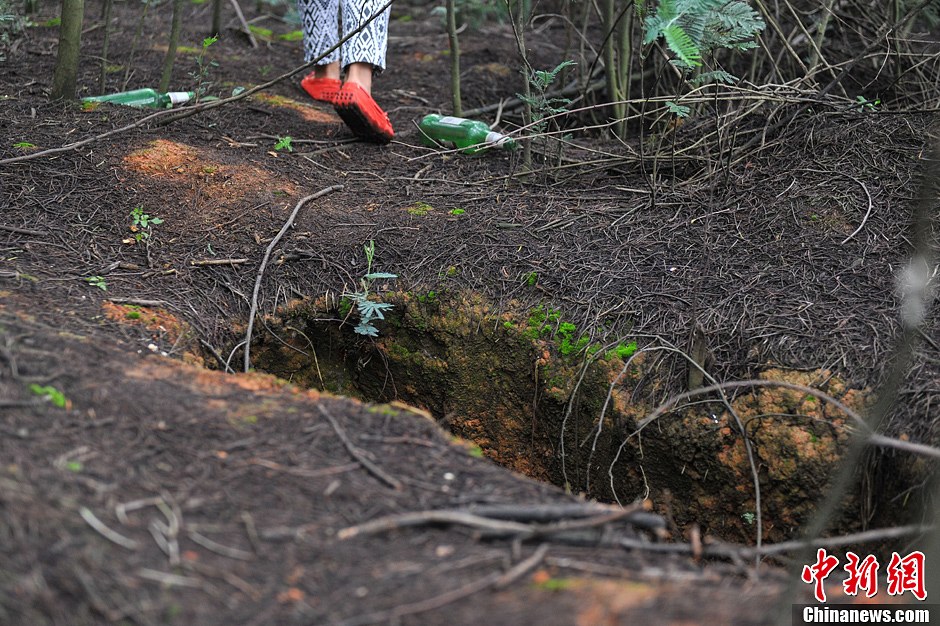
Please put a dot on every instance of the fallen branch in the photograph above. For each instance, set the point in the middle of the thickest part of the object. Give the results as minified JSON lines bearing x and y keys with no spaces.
{"x":872,"y":438}
{"x":424,"y":518}
{"x":355,"y":453}
{"x":264,"y":264}
{"x":23,"y":231}
{"x":218,"y":548}
{"x":245,"y":27}
{"x":205,"y":262}
{"x":522,"y":568}
{"x":106,"y":532}
{"x":491,"y":527}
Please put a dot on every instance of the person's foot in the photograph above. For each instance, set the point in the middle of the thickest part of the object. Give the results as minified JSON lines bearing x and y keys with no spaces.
{"x":321,"y":89}
{"x":362,"y":115}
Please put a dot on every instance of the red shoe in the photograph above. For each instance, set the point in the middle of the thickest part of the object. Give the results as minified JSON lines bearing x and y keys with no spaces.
{"x":322,"y":89}
{"x":362,"y":115}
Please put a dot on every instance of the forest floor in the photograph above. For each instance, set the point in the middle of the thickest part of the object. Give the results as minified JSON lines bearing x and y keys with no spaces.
{"x":141,"y":484}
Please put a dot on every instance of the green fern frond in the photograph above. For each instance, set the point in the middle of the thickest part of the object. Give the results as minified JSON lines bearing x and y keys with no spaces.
{"x":740,"y":17}
{"x":694,"y":25}
{"x":715,"y":76}
{"x":682,"y":45}
{"x":699,"y":6}
{"x":668,"y":10}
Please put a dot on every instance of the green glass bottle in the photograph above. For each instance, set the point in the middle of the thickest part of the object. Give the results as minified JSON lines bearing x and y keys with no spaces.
{"x":470,"y":136}
{"x":149,"y":98}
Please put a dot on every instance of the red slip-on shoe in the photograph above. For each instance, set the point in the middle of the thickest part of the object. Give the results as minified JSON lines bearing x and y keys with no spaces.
{"x":322,"y":89}
{"x":362,"y":115}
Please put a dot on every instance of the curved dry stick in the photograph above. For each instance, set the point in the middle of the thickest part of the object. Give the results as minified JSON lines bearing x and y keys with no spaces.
{"x":864,"y":188}
{"x":672,"y":402}
{"x":755,"y":477}
{"x":264,"y":264}
{"x":356,"y":454}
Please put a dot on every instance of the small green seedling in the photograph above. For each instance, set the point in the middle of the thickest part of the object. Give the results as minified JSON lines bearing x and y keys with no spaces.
{"x":749,"y":518}
{"x":679,"y":110}
{"x":864,"y":104}
{"x":201,"y":74}
{"x":24,"y":144}
{"x":284,"y":143}
{"x":457,"y":211}
{"x":97,"y":281}
{"x":51,"y":394}
{"x":369,"y":311}
{"x":141,"y":223}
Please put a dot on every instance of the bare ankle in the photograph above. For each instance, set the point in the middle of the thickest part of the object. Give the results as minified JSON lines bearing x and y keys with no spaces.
{"x":330,"y":70}
{"x":361,"y":74}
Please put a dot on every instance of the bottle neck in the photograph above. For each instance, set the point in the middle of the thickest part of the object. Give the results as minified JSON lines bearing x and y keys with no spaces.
{"x":179,"y":97}
{"x":498,"y":140}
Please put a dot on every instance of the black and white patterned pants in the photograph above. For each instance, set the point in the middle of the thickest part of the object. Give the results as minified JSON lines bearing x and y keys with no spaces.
{"x":321,"y":31}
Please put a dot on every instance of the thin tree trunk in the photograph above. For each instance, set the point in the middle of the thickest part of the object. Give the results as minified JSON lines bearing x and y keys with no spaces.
{"x":130,"y":57}
{"x":454,"y":57}
{"x":216,"y":18}
{"x":518,"y":24}
{"x":611,"y":67}
{"x":70,"y":41}
{"x":104,"y":46}
{"x":171,"y":48}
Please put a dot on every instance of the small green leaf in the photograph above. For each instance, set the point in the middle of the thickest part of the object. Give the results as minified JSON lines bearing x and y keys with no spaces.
{"x":51,"y":394}
{"x":678,"y":109}
{"x":74,"y":466}
{"x":97,"y":281}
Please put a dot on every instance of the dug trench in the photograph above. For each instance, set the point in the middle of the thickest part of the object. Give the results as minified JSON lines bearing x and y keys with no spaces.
{"x":532,"y":393}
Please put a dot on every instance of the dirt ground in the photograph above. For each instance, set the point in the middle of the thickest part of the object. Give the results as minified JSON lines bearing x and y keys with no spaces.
{"x":139,"y":483}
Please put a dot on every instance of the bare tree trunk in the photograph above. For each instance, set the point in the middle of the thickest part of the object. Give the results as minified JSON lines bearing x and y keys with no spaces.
{"x":70,"y":41}
{"x":216,"y":18}
{"x":454,"y":57}
{"x":171,"y":47}
{"x":518,"y":25}
{"x":106,"y":10}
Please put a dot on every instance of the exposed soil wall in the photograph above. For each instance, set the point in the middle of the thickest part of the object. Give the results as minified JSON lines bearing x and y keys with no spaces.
{"x":518,"y":387}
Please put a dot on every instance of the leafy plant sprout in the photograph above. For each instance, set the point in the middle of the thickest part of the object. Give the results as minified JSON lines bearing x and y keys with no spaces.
{"x":864,"y":104}
{"x":284,"y":143}
{"x":141,"y":223}
{"x":368,"y":310}
{"x":544,"y":107}
{"x":50,"y":394}
{"x":201,"y":74}
{"x":97,"y":281}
